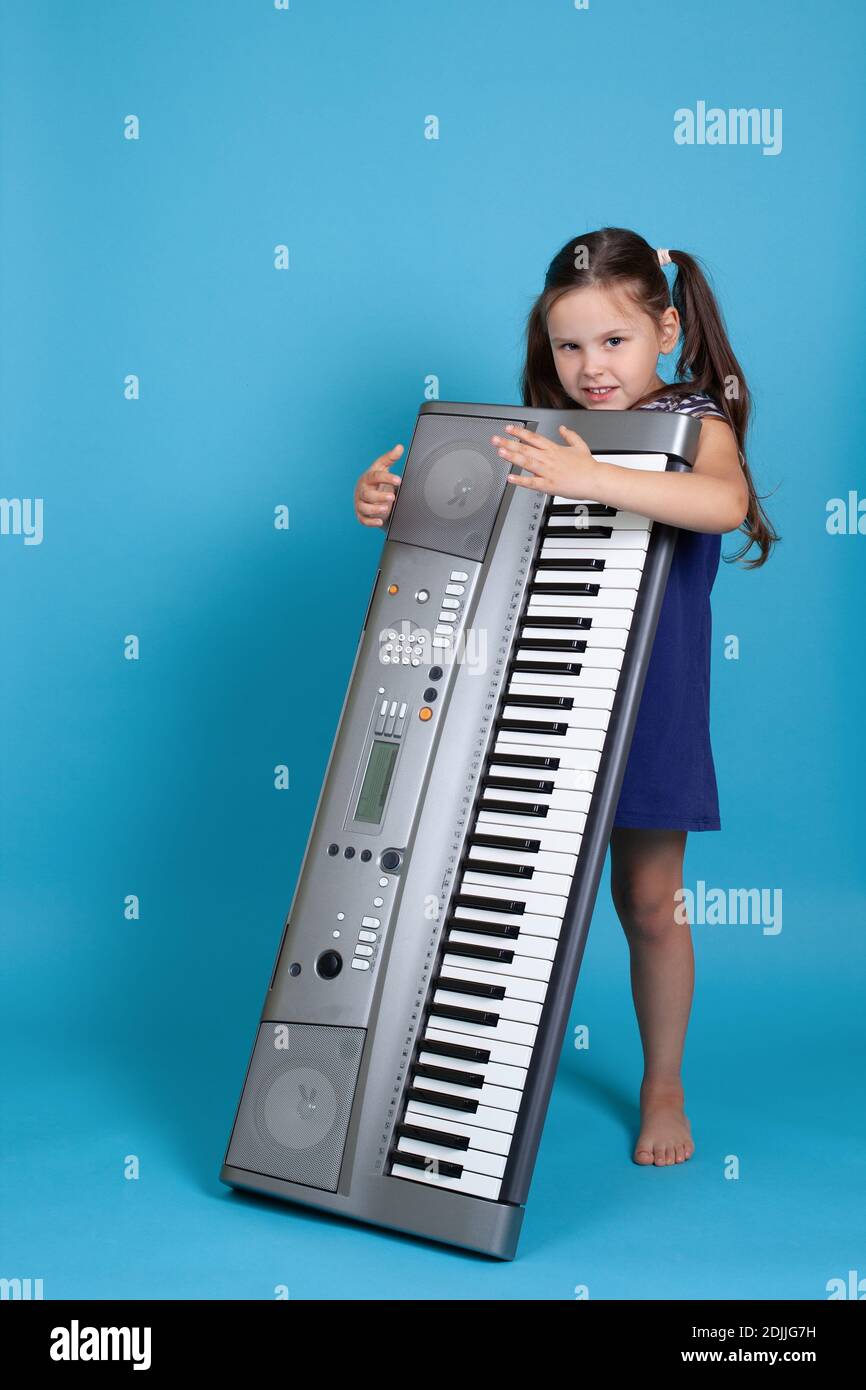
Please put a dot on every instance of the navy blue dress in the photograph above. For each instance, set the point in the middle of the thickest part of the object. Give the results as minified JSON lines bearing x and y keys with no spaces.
{"x":670,"y":779}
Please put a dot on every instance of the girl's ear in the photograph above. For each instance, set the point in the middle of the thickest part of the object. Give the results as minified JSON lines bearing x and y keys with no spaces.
{"x":669,"y":329}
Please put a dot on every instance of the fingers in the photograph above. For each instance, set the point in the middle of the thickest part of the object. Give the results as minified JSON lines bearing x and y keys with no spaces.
{"x":376,"y":490}
{"x":384,"y":461}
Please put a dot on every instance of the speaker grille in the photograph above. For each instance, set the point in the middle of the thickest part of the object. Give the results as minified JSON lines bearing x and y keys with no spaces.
{"x":453,"y":484}
{"x":294,"y":1112}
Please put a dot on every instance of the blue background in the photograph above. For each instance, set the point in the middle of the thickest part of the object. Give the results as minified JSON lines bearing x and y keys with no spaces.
{"x":408,"y":258}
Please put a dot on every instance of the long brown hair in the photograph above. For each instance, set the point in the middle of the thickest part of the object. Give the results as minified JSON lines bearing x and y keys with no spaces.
{"x":617,"y":256}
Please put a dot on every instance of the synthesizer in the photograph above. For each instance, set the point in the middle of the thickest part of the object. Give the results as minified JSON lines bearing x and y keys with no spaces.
{"x":404,"y":1059}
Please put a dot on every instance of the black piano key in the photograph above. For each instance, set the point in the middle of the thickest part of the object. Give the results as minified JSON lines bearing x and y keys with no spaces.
{"x":462,"y":1051}
{"x":460,"y":986}
{"x":592,"y":533}
{"x":541,"y":701}
{"x":507,"y":905}
{"x":481,"y":837}
{"x":444,"y":1098}
{"x":513,"y":808}
{"x":580,"y":509}
{"x":431,"y":1136}
{"x":519,"y":784}
{"x":496,"y":866}
{"x":458,"y":1012}
{"x":583,"y":562}
{"x":554,"y":621}
{"x":554,"y":644}
{"x":581,"y":590}
{"x":525,"y":760}
{"x":428,"y":1162}
{"x":457,"y":1078}
{"x":562,"y":668}
{"x":482,"y":928}
{"x":491,"y":953}
{"x":533,"y":726}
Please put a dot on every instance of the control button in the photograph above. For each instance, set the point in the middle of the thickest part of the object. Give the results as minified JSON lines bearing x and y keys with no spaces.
{"x":447,"y":617}
{"x":430,"y":693}
{"x":294,"y":968}
{"x":329,"y":964}
{"x":444,"y":628}
{"x":435,"y":673}
{"x":441,"y":641}
{"x":341,"y":916}
{"x":383,"y":883}
{"x":450,"y":603}
{"x":360,"y":964}
{"x":393,"y":588}
{"x":366,"y":854}
{"x":349,"y":852}
{"x":363,"y":950}
{"x":370,"y":922}
{"x":391,"y":858}
{"x":403,"y":710}
{"x":425,"y":713}
{"x":416,"y":661}
{"x":333,"y":849}
{"x":455,"y":589}
{"x":422,"y":595}
{"x":458,"y":575}
{"x":377,"y":902}
{"x":367,"y":936}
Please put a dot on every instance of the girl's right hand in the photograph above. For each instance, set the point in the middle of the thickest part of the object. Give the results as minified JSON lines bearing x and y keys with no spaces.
{"x":376,"y":489}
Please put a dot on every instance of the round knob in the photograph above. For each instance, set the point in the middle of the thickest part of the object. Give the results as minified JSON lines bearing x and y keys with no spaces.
{"x":329,"y":964}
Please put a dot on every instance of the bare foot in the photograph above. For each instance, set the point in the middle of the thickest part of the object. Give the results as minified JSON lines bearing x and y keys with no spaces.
{"x":665,"y":1133}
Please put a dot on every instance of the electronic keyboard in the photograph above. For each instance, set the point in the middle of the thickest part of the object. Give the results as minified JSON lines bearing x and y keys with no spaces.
{"x":407,"y":1047}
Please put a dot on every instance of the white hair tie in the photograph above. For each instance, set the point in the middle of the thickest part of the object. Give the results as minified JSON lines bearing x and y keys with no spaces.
{"x":663,"y":255}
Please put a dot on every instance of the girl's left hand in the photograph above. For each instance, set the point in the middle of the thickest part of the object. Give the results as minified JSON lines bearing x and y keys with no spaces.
{"x":565,"y":470}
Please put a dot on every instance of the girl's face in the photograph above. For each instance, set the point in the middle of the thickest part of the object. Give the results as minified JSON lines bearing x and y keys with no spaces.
{"x":602,"y":340}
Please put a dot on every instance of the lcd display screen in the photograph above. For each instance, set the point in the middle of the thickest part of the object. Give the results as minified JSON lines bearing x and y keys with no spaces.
{"x":377,"y":780}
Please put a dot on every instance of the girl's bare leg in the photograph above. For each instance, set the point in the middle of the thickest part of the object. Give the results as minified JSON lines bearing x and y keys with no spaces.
{"x":646,"y":871}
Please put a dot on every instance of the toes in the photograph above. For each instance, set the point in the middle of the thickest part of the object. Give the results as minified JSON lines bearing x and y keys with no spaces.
{"x":642,"y":1155}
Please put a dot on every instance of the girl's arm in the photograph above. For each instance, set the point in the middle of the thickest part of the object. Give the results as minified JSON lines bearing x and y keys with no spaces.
{"x":713,"y":497}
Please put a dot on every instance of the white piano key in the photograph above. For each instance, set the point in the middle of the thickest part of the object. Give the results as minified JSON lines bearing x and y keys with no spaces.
{"x":622,"y":599}
{"x":516,"y":987}
{"x":510,"y":1054}
{"x":520,"y":968}
{"x":580,"y":717}
{"x":619,"y":557}
{"x":481,"y":1140}
{"x":600,"y":616}
{"x":487,"y":1116}
{"x":471,"y":1159}
{"x":561,"y":798}
{"x":606,"y":579}
{"x":588,"y":696}
{"x":497,"y":1097}
{"x":543,"y":861}
{"x":574,"y":779}
{"x":543,"y":883}
{"x":551,"y":743}
{"x":592,"y":655}
{"x":596,"y":636}
{"x":511,"y":1010}
{"x":497,"y":1073}
{"x":474,"y":1184}
{"x":531,"y":941}
{"x":619,"y":539}
{"x":554,"y":820}
{"x":544,"y":904}
{"x":567,"y":757}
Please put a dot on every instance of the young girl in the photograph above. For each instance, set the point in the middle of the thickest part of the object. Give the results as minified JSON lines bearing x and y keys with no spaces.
{"x":594,"y":338}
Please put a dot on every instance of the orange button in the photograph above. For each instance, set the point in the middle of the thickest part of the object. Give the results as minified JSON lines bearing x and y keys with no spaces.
{"x":393,"y":588}
{"x":425,"y":712}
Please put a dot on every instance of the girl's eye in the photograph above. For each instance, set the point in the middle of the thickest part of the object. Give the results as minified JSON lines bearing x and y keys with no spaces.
{"x":614,"y":340}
